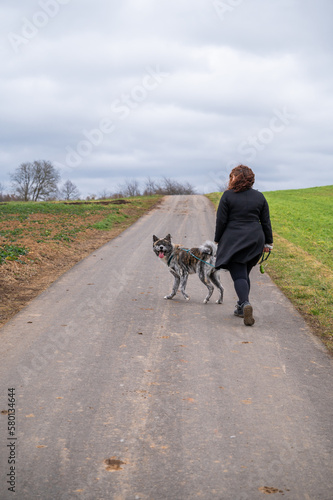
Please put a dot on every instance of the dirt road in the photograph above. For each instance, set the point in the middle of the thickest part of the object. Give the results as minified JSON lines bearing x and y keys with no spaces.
{"x":120,"y":394}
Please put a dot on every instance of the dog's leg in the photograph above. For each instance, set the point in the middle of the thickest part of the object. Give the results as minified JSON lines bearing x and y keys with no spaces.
{"x":214,"y":277}
{"x":206,"y":281}
{"x":183,"y":283}
{"x":175,"y":286}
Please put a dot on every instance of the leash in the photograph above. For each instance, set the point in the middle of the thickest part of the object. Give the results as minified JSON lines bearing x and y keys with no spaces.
{"x":170,"y":259}
{"x":262,"y":260}
{"x":264,"y":257}
{"x":189,"y":251}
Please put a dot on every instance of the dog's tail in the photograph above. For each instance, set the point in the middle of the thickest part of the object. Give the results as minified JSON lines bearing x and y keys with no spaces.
{"x":209,"y":248}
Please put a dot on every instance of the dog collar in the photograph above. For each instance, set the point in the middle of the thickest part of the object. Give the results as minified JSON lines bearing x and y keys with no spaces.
{"x":170,"y":259}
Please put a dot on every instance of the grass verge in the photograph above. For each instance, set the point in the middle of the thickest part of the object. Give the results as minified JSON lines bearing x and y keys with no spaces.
{"x":41,"y":241}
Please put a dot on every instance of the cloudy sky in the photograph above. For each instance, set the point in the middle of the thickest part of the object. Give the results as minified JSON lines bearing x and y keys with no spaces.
{"x":110,"y":90}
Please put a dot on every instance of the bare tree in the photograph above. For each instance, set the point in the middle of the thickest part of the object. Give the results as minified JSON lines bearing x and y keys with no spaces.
{"x":22,"y":181}
{"x":7,"y":196}
{"x":35,"y":181}
{"x":91,"y":197}
{"x":104,"y":195}
{"x":188,"y":188}
{"x":45,"y":180}
{"x":171,"y":187}
{"x":131,"y":188}
{"x":167,"y":187}
{"x":150,"y":188}
{"x":69,"y":191}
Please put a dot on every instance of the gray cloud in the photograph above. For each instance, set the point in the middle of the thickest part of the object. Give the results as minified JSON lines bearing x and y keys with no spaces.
{"x":108,"y":90}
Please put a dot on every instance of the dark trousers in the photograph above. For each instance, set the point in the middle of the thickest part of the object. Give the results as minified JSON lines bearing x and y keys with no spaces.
{"x":240,"y":274}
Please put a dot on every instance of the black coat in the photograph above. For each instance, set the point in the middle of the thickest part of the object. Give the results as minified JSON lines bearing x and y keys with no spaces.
{"x":242,"y":227}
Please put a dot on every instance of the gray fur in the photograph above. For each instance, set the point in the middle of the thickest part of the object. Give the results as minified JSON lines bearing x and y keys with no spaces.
{"x":182,"y":263}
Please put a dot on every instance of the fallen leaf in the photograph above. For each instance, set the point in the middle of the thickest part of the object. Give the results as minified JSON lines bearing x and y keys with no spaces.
{"x":268,"y":490}
{"x":113,"y":464}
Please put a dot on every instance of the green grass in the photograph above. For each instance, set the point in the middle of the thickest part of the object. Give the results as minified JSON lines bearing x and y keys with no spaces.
{"x":107,"y":223}
{"x":215,"y":198}
{"x":22,"y":210}
{"x":305,"y":217}
{"x":11,"y":252}
{"x":302,"y":260}
{"x":46,"y":222}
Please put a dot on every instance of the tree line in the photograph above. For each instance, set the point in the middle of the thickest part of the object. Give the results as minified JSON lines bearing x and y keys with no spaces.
{"x":40,"y":181}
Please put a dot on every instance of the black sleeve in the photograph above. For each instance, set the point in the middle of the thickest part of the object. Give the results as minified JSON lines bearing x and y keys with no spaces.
{"x":266,"y":223}
{"x":221,"y":217}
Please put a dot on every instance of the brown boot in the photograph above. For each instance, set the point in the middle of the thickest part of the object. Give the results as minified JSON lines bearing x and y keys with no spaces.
{"x":248,"y":314}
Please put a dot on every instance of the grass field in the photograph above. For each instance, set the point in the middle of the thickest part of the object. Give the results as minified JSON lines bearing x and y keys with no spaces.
{"x":40,"y":241}
{"x":54,"y":223}
{"x":302,"y":261}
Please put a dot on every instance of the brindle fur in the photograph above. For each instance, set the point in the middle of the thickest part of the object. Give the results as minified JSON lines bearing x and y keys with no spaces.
{"x":181,"y":264}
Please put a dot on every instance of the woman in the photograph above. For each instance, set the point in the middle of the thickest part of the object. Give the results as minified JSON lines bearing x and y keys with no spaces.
{"x":243,"y":232}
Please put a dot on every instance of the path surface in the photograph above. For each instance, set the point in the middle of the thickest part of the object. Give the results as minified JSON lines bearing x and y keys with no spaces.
{"x":183,"y":399}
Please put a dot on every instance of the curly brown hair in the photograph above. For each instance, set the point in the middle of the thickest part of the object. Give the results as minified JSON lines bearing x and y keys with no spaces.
{"x":241,"y":178}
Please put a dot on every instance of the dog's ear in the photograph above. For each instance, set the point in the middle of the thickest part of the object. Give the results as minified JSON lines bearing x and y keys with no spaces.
{"x":168,"y":237}
{"x":155,"y":238}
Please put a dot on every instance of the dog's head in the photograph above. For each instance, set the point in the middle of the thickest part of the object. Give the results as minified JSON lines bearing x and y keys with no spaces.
{"x":162,"y":246}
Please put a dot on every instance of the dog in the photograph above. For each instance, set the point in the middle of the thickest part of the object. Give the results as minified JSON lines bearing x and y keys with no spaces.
{"x":183,"y":262}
